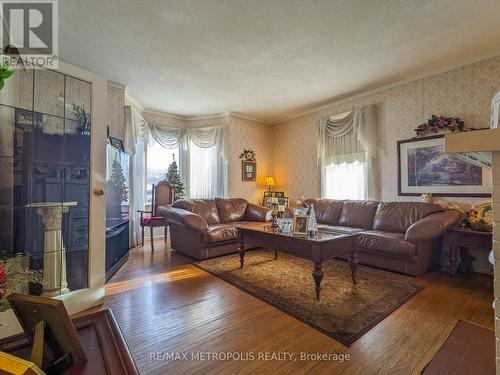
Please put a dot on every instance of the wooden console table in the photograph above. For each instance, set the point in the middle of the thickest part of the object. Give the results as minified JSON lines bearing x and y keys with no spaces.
{"x":460,"y":237}
{"x":102,"y":341}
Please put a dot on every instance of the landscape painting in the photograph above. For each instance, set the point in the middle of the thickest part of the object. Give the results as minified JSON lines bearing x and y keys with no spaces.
{"x":430,"y":166}
{"x":424,"y":167}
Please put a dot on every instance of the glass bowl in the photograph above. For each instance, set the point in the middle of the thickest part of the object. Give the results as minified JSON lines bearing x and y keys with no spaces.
{"x":285,"y":224}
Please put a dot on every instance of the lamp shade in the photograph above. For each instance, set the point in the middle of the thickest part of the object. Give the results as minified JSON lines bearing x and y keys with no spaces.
{"x":269,"y":181}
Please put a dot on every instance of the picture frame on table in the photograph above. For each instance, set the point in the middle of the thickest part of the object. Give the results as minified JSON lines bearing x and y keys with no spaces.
{"x":300,"y":224}
{"x":248,"y":171}
{"x":424,"y":167}
{"x":274,"y":194}
{"x":46,"y":323}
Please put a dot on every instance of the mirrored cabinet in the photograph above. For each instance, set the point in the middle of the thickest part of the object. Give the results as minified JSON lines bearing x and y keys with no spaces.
{"x":45,"y":129}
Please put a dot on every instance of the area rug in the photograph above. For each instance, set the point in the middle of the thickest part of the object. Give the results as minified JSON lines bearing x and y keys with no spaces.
{"x":345,"y":312}
{"x":470,"y":349}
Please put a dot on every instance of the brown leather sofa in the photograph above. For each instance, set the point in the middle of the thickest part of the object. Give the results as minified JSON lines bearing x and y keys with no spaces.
{"x":404,"y":237}
{"x":205,"y":228}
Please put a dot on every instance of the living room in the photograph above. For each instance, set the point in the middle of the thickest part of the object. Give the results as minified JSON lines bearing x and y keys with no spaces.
{"x":250,"y":187}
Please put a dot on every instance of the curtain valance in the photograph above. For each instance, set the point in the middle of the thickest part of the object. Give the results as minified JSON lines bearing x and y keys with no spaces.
{"x":356,"y":132}
{"x":138,"y":131}
{"x":350,"y":138}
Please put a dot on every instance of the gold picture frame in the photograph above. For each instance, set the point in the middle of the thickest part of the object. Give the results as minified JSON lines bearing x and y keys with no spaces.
{"x":300,"y":224}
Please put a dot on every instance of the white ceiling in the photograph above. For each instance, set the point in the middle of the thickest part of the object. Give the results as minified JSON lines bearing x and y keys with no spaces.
{"x":269,"y":59}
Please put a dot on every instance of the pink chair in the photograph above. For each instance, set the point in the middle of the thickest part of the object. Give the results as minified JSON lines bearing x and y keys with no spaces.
{"x":162,"y":195}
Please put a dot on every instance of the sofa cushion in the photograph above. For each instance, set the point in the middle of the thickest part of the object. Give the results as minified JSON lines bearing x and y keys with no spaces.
{"x":231,"y":209}
{"x":205,"y":208}
{"x":220,"y":232}
{"x":327,"y":210}
{"x":358,"y":214}
{"x":399,"y":216}
{"x":390,"y":243}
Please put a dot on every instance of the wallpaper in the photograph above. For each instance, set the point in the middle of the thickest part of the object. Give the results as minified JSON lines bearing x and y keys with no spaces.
{"x":116,"y":113}
{"x":465,"y":92}
{"x":248,"y":134}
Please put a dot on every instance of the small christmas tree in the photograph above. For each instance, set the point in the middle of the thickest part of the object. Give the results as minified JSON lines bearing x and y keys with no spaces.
{"x":118,"y":179}
{"x":174,"y":178}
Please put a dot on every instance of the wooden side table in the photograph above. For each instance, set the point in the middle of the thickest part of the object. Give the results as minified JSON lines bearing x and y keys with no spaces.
{"x":461,"y":237}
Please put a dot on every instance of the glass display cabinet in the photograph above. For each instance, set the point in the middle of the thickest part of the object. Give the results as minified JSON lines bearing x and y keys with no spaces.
{"x":45,"y":133}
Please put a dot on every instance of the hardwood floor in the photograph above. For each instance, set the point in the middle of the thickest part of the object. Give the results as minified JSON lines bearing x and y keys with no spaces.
{"x":164,"y":304}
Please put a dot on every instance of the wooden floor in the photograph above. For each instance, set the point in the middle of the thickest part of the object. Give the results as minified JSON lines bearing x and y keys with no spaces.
{"x":165,"y":305}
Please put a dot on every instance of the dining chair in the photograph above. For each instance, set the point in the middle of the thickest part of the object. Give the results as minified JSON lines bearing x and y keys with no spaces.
{"x":162,"y":195}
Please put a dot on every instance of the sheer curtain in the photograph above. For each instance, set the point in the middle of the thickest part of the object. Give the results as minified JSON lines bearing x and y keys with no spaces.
{"x":136,"y":136}
{"x":203,"y":171}
{"x":346,"y":149}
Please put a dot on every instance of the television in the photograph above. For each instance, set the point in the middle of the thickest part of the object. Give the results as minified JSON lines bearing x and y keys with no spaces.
{"x":117,"y":187}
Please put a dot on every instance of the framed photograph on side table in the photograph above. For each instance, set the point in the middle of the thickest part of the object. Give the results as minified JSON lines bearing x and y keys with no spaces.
{"x":300,"y":223}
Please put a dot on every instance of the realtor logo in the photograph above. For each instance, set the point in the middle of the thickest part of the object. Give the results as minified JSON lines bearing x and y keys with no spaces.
{"x":30,"y":28}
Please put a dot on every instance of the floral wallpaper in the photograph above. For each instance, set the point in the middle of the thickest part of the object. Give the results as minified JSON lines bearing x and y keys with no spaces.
{"x":465,"y":92}
{"x":116,"y":113}
{"x":256,"y":136}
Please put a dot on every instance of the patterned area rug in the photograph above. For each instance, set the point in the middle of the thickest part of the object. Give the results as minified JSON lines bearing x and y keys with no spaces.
{"x":345,"y":312}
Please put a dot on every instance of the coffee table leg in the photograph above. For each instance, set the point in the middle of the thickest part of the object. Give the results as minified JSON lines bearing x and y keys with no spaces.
{"x":241,"y":251}
{"x":353,"y":262}
{"x":275,"y":254}
{"x":318,"y":276}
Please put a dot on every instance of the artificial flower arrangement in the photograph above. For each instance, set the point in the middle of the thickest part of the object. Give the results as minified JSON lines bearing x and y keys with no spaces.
{"x":473,"y":221}
{"x":248,"y":155}
{"x":437,"y":123}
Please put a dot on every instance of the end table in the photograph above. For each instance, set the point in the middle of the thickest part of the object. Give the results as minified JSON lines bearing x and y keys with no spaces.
{"x":461,"y":237}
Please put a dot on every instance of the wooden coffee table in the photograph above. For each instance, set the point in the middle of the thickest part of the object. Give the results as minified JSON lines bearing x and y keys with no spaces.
{"x":323,"y":246}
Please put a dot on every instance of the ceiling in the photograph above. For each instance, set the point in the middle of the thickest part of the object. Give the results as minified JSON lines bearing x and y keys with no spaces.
{"x":269,"y":59}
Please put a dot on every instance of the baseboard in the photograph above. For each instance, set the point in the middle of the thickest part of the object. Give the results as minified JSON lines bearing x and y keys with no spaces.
{"x":116,"y":267}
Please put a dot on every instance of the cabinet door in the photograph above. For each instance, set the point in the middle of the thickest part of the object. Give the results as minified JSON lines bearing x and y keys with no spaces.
{"x":52,"y":160}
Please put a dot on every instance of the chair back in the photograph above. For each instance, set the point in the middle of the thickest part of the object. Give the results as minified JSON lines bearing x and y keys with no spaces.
{"x":162,"y":195}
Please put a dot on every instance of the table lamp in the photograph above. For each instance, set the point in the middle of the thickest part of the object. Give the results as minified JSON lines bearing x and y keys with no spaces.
{"x":269,"y":182}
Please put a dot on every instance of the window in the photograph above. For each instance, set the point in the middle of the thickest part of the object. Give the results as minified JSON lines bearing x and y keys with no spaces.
{"x":346,"y":180}
{"x":202,"y":172}
{"x":158,"y":159}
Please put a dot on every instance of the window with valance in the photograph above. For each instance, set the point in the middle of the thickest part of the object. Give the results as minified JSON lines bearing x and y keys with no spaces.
{"x":346,"y":149}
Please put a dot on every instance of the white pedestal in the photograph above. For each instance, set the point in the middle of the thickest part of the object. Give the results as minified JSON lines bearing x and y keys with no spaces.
{"x":54,"y":253}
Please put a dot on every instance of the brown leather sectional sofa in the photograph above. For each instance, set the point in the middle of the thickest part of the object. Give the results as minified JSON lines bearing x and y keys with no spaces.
{"x":404,"y":237}
{"x":205,"y":228}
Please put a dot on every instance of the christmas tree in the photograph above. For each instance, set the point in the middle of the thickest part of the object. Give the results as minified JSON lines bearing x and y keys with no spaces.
{"x":118,"y":179}
{"x":174,"y":178}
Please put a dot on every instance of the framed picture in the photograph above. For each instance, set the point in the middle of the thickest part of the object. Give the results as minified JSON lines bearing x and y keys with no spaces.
{"x":300,"y":223}
{"x":423,"y":167}
{"x":46,"y":323}
{"x":117,"y":143}
{"x":275,"y":194}
{"x":248,"y":171}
